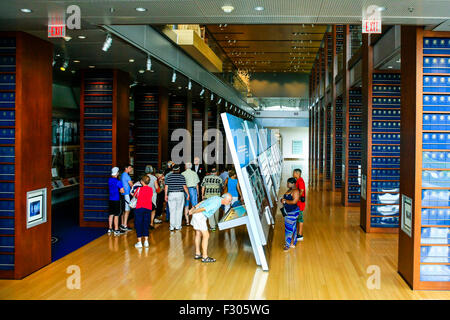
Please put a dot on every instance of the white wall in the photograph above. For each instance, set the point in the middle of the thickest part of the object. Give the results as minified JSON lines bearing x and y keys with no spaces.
{"x":287,"y":136}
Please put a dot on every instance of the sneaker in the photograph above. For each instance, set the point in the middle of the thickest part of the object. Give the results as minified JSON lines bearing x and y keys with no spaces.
{"x":171,"y":229}
{"x":157,"y":221}
{"x":110,"y":231}
{"x":124,"y":228}
{"x":213,"y":229}
{"x":138,"y":245}
{"x":118,"y":232}
{"x":146,"y":244}
{"x":299,"y":237}
{"x":178,"y":229}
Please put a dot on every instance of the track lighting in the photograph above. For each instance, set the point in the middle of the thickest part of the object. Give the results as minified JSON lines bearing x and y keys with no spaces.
{"x":107,"y":43}
{"x":65,"y":65}
{"x":220,"y":100}
{"x":149,"y":63}
{"x":174,"y":76}
{"x":189,"y":85}
{"x":212,"y":96}
{"x":202,"y":92}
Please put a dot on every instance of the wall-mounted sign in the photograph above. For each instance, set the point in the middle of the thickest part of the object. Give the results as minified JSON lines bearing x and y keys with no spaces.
{"x":406,"y":215}
{"x":371,"y":19}
{"x":36,"y":207}
{"x":297,"y":146}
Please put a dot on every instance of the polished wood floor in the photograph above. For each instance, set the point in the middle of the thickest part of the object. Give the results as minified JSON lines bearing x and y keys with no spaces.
{"x":330,"y":263}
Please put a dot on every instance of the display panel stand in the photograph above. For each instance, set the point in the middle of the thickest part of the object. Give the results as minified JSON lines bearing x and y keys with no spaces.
{"x":424,"y":237}
{"x":252,"y":186}
{"x":104,"y":123}
{"x":25,"y":154}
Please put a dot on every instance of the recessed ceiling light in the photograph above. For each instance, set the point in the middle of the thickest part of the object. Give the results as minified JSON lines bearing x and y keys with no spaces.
{"x":81,"y":37}
{"x":259,"y":8}
{"x":92,"y":67}
{"x":227,"y":9}
{"x":67,"y":38}
{"x":26,"y":10}
{"x":130,"y":60}
{"x":380,"y":9}
{"x":141,"y":9}
{"x":76,"y":61}
{"x":141,"y":71}
{"x":390,"y":67}
{"x":73,"y":71}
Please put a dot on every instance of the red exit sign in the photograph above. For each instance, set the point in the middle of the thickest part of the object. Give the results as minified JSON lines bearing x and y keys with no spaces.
{"x":56,"y":31}
{"x":371,"y":26}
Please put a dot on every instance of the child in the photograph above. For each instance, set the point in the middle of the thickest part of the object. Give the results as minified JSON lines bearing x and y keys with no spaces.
{"x":143,"y":210}
{"x":115,"y":188}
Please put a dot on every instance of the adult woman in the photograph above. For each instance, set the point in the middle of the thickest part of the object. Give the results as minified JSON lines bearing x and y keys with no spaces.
{"x":155,"y":186}
{"x":289,"y":200}
{"x":143,"y":210}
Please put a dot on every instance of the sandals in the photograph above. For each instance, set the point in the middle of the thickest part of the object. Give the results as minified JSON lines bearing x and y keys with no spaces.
{"x":198,"y":257}
{"x":208,"y":259}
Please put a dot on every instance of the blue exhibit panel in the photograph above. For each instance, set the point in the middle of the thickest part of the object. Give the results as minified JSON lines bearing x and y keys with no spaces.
{"x":328,"y":146}
{"x":253,"y":134}
{"x":241,"y":139}
{"x":97,"y":141}
{"x":435,"y":196}
{"x":385,"y":159}
{"x":7,"y":151}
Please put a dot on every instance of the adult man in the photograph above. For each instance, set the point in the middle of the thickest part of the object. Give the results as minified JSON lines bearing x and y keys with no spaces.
{"x":300,"y":184}
{"x":115,"y":188}
{"x":168,"y":171}
{"x":212,"y":187}
{"x":175,"y":189}
{"x":192,"y":181}
{"x":127,"y":184}
{"x":224,"y":174}
{"x":199,"y":169}
{"x":200,"y":213}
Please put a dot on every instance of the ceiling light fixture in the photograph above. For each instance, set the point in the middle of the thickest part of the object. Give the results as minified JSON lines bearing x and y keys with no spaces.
{"x":108,"y":42}
{"x":259,"y":8}
{"x":212,"y":96}
{"x":76,"y":61}
{"x":130,"y":60}
{"x":189,"y":85}
{"x":381,"y":9}
{"x":220,"y":100}
{"x":64,"y":66}
{"x":141,"y":71}
{"x":140,"y":9}
{"x":81,"y":37}
{"x":92,"y":67}
{"x":174,"y":76}
{"x":203,"y":91}
{"x":67,"y":38}
{"x":149,"y":63}
{"x":227,"y":9}
{"x":26,"y":10}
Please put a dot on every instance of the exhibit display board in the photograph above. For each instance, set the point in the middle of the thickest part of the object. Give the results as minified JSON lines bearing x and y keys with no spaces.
{"x":252,"y":159}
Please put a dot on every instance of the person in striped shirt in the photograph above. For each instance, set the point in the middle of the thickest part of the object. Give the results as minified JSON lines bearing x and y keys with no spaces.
{"x":175,"y":190}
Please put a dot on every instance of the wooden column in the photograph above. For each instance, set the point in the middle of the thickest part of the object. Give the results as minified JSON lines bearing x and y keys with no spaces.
{"x":321,"y":117}
{"x":26,"y":97}
{"x":205,"y":121}
{"x":326,"y":102}
{"x":346,"y":117}
{"x":423,"y":259}
{"x":189,"y":127}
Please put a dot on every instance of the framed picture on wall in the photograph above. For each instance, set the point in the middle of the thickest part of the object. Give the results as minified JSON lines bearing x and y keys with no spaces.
{"x":36,"y":207}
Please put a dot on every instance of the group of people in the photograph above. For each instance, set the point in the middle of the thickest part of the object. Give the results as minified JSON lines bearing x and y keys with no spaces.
{"x":193,"y":193}
{"x":293,"y":202}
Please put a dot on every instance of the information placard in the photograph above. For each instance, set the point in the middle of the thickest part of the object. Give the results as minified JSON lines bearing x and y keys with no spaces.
{"x":406,"y":225}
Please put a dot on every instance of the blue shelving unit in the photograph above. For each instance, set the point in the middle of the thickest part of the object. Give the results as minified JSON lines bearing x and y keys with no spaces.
{"x":385,"y":160}
{"x":338,"y":144}
{"x":435,"y":205}
{"x":146,"y":110}
{"x":7,"y":151}
{"x":354,"y":146}
{"x":328,"y":146}
{"x":97,"y":145}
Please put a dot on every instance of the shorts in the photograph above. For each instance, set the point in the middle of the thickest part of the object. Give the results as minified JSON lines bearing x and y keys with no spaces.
{"x":114,"y":208}
{"x":300,"y":217}
{"x":198,"y":221}
{"x":153,"y":206}
{"x":126,"y":202}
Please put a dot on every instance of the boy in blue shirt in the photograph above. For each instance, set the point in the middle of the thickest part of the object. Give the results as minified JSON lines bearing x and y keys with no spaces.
{"x":115,"y":188}
{"x":127,"y":184}
{"x":200,"y":213}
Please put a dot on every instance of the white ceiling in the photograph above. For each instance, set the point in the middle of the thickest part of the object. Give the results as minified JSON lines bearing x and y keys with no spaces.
{"x":429,"y":12}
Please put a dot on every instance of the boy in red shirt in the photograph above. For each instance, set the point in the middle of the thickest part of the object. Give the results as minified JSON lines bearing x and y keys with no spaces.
{"x":143,"y":211}
{"x":300,"y":184}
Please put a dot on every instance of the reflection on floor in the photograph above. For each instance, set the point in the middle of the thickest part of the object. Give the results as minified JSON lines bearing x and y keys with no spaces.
{"x":66,"y":230}
{"x":331,"y":263}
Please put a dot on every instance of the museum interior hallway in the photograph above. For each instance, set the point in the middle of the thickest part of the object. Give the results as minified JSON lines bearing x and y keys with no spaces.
{"x":331,"y":263}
